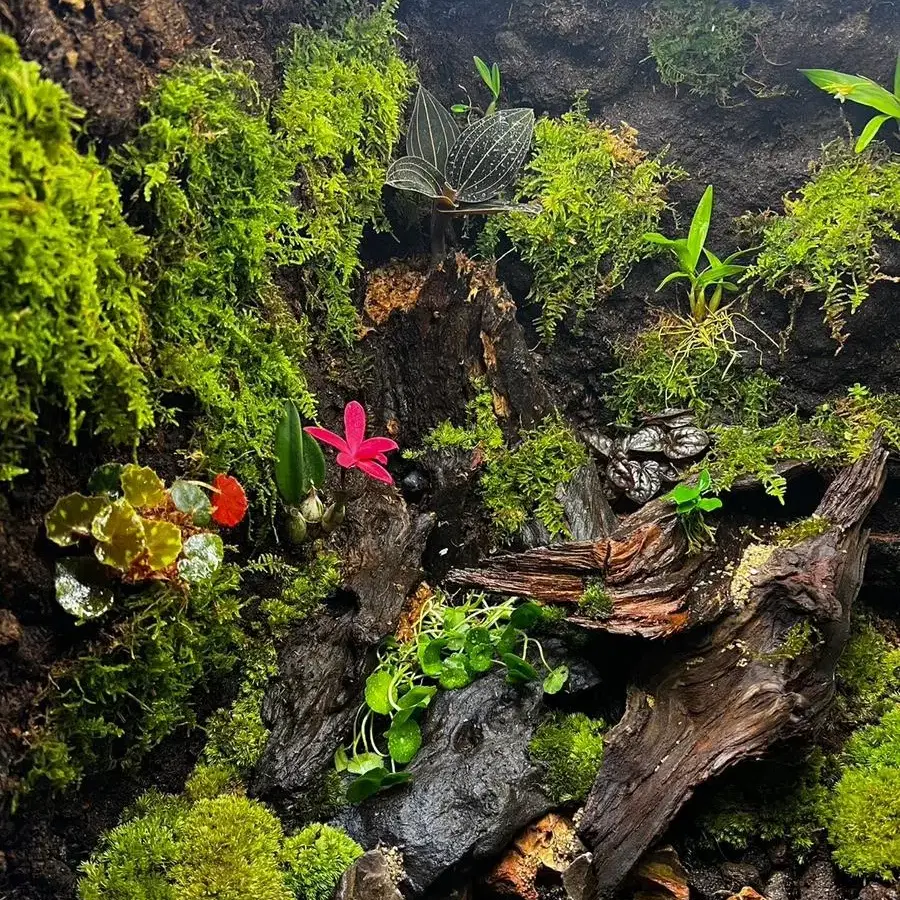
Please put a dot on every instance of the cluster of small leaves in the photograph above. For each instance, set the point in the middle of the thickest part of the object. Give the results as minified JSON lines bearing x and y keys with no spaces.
{"x":599,"y":194}
{"x":838,"y":434}
{"x":802,"y":530}
{"x":227,"y":846}
{"x":341,"y":111}
{"x":72,"y":332}
{"x":868,"y":674}
{"x":678,"y":362}
{"x":139,"y":528}
{"x":863,"y":811}
{"x":595,"y":602}
{"x":481,"y":432}
{"x":448,"y":646}
{"x":702,"y":44}
{"x":691,"y":504}
{"x":216,"y":184}
{"x":123,"y":695}
{"x":570,"y":749}
{"x":772,"y":800}
{"x":826,"y":241}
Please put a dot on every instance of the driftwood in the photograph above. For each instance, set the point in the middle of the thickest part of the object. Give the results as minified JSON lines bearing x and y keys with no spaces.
{"x":644,"y":566}
{"x":763,"y":674}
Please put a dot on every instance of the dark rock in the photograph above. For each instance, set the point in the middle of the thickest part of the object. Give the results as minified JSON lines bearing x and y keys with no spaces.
{"x":780,"y":886}
{"x":708,"y":882}
{"x":414,"y":485}
{"x":575,"y":877}
{"x":740,"y":874}
{"x":818,"y":882}
{"x":473,"y":785}
{"x":10,"y":628}
{"x":880,"y":892}
{"x":369,"y":878}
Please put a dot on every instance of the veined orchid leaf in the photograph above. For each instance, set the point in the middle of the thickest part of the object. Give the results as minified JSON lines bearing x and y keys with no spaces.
{"x":432,"y":132}
{"x":419,"y":175}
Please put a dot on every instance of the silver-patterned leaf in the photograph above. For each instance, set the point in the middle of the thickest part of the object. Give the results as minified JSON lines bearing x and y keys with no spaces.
{"x":599,"y":442}
{"x":491,"y":207}
{"x":647,"y":481}
{"x":686,"y":442}
{"x":409,"y":173}
{"x":432,"y":130}
{"x":620,"y":473}
{"x":669,"y":473}
{"x":620,"y":447}
{"x":82,"y":587}
{"x":647,"y":440}
{"x":488,"y":155}
{"x":671,"y":418}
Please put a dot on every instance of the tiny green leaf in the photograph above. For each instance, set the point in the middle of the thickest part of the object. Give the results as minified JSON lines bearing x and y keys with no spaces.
{"x":454,"y":673}
{"x":120,"y":536}
{"x":404,"y":741}
{"x":341,"y":760}
{"x":364,"y":762}
{"x":72,"y":516}
{"x":143,"y":488}
{"x":163,"y":540}
{"x":430,"y":656}
{"x":479,"y":649}
{"x":556,"y":680}
{"x":518,"y":670}
{"x":526,"y":616}
{"x":106,"y":479}
{"x":378,"y":692}
{"x":417,"y":697}
{"x":700,"y":227}
{"x":708,"y":504}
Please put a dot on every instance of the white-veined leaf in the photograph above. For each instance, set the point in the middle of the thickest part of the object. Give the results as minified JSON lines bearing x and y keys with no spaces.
{"x":491,"y":207}
{"x":409,"y":173}
{"x":488,"y":155}
{"x":432,"y":130}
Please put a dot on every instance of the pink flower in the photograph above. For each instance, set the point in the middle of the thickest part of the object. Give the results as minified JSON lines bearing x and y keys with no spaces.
{"x":354,"y":450}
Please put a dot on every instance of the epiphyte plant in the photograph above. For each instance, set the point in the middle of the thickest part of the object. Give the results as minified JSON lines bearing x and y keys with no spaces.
{"x":862,"y":90}
{"x":140,"y":529}
{"x":691,"y":502}
{"x":689,"y":251}
{"x":439,"y":645}
{"x":463,"y":171}
{"x":490,"y":75}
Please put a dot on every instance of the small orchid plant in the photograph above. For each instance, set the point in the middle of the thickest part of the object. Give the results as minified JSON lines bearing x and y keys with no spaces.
{"x":300,"y":466}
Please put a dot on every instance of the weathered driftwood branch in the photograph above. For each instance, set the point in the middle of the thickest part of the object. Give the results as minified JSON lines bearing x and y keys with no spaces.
{"x":762,"y":675}
{"x":644,"y":566}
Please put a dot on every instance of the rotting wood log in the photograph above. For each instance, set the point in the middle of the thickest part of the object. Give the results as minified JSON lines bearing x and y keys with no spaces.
{"x":762,"y":675}
{"x":644,"y":566}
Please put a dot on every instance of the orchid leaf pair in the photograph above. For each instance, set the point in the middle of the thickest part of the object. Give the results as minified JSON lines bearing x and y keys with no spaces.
{"x":864,"y":91}
{"x":717,"y":274}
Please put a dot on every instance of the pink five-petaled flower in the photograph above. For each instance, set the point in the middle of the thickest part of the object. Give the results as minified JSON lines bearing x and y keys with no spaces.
{"x":354,"y":450}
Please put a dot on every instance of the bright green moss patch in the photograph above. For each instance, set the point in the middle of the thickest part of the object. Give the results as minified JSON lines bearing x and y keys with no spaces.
{"x":825,"y":242}
{"x":702,"y":44}
{"x":341,"y":112}
{"x":864,"y":808}
{"x":599,"y":193}
{"x":227,"y":847}
{"x":697,"y":365}
{"x":595,"y":602}
{"x":868,"y":674}
{"x":72,"y":332}
{"x":570,"y":748}
{"x":802,"y":530}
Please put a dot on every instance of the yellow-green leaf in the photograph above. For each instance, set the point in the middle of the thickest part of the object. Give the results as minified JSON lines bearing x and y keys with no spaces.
{"x":71,"y":518}
{"x":120,"y":535}
{"x":143,"y":488}
{"x":163,"y":541}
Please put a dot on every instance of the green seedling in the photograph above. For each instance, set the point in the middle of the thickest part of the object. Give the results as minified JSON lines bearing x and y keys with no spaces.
{"x":691,"y":503}
{"x":490,"y":75}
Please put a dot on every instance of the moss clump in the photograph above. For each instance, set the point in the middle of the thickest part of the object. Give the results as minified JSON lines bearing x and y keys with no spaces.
{"x":868,"y":674}
{"x":838,"y":434}
{"x":825,"y":242}
{"x":125,"y":694}
{"x":769,"y":800}
{"x":802,"y":530}
{"x":864,"y":809}
{"x":217,"y":186}
{"x":599,"y":194}
{"x":703,"y":44}
{"x":316,"y":858}
{"x":682,"y":363}
{"x":341,"y":112}
{"x":795,"y":642}
{"x":72,"y":331}
{"x":595,"y":602}
{"x":570,"y":747}
{"x":227,"y":847}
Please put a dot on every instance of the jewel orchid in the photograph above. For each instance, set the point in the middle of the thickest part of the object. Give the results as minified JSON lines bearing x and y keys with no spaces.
{"x":355,"y":451}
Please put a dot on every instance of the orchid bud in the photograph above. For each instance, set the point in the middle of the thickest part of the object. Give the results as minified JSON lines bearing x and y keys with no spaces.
{"x":334,"y":517}
{"x":296,"y":526}
{"x":312,"y":509}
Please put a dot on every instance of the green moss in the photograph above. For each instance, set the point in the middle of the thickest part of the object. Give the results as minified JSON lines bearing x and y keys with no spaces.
{"x":341,"y":111}
{"x":826,"y":240}
{"x":119,"y":699}
{"x":703,"y":44}
{"x":595,"y":602}
{"x":570,"y":747}
{"x":209,"y":780}
{"x":802,"y":530}
{"x":864,"y":808}
{"x":795,"y":642}
{"x":838,"y":434}
{"x":216,"y":184}
{"x":599,"y":194}
{"x":770,"y":800}
{"x":72,"y":332}
{"x":482,"y":429}
{"x":316,"y":858}
{"x":868,"y":674}
{"x":678,"y":362}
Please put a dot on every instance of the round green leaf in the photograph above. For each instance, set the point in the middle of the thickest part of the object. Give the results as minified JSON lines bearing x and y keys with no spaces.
{"x":479,"y":649}
{"x":404,"y":741}
{"x":163,"y":541}
{"x":453,"y":617}
{"x":192,"y":499}
{"x":363,"y":763}
{"x":142,"y":487}
{"x":378,"y":692}
{"x":518,"y":670}
{"x":526,"y":616}
{"x":430,"y":656}
{"x":119,"y":531}
{"x":201,"y":557}
{"x":341,"y":760}
{"x":454,"y":673}
{"x":416,"y":698}
{"x":72,"y":516}
{"x":106,"y":479}
{"x":556,"y":680}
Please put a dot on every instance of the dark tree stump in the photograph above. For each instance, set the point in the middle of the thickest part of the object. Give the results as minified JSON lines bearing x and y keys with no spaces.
{"x":744,"y":687}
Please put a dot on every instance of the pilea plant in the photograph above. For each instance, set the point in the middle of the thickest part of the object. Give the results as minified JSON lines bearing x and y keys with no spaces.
{"x":689,"y":250}
{"x":691,"y":502}
{"x":462,"y":171}
{"x":863,"y":91}
{"x":141,"y":530}
{"x":445,"y":646}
